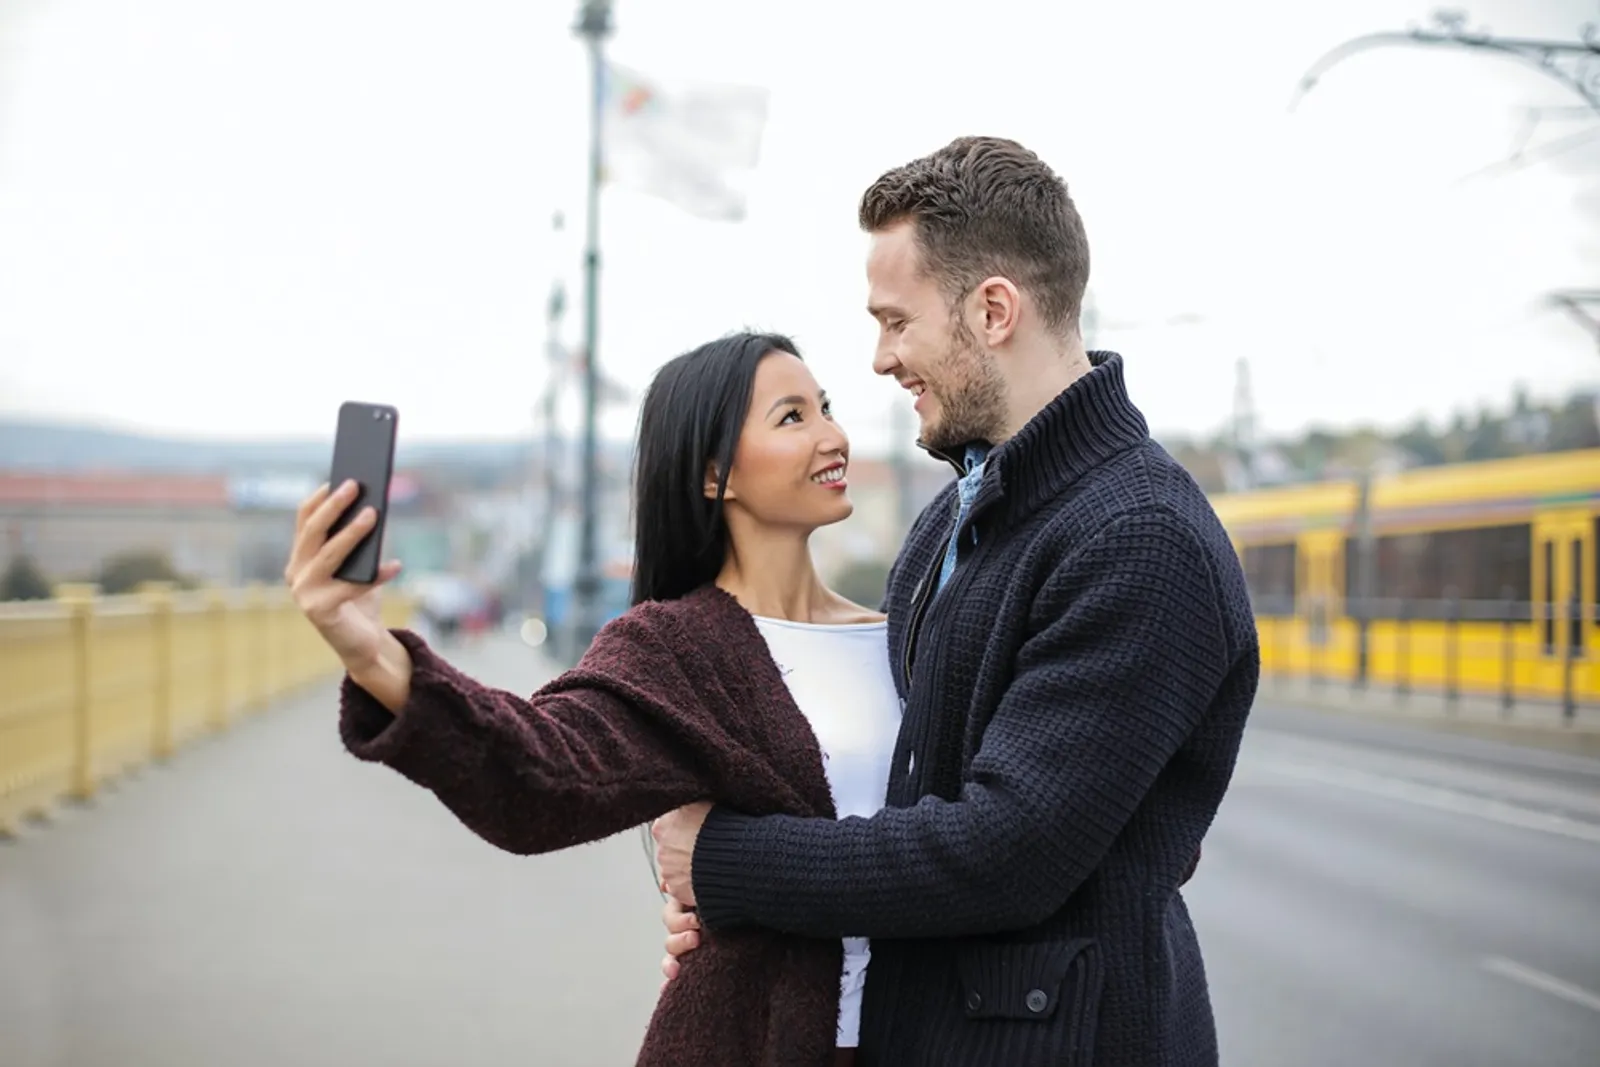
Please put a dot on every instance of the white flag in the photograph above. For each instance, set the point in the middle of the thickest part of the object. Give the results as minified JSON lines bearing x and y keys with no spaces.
{"x":692,"y":146}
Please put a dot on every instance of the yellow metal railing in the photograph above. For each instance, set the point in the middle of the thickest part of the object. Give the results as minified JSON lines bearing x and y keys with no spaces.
{"x":92,"y":685}
{"x":1509,"y":662}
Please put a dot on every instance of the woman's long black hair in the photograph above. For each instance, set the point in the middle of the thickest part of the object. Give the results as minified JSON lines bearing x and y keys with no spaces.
{"x":692,"y":415}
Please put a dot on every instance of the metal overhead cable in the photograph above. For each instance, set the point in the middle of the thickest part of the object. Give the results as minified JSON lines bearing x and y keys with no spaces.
{"x":1575,"y":64}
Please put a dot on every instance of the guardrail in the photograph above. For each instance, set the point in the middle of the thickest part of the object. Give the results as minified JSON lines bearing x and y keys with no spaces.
{"x":91,"y":685}
{"x":1523,"y":658}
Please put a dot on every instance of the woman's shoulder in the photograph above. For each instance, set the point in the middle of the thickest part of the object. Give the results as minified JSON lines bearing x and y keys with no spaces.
{"x":662,"y":637}
{"x":707,"y":605}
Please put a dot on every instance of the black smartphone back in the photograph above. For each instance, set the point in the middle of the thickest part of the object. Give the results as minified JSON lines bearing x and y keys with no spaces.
{"x":363,"y":450}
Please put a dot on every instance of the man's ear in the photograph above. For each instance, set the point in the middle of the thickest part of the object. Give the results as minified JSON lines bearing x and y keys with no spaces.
{"x":999,"y":308}
{"x":710,"y":489}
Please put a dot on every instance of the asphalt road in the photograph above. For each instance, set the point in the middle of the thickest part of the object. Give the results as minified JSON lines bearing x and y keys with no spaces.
{"x":1377,"y":895}
{"x":1369,"y":895}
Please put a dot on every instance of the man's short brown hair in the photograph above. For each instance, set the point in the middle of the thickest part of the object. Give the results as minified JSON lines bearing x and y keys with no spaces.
{"x":984,"y":206}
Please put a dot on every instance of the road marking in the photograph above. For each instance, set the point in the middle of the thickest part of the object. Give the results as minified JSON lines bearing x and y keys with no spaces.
{"x":1434,"y":797}
{"x":1545,"y":983}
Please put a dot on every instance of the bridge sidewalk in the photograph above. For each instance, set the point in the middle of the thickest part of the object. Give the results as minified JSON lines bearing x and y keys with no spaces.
{"x":263,"y":898}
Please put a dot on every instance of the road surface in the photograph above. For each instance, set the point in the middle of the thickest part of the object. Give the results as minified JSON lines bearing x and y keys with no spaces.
{"x":1368,"y":896}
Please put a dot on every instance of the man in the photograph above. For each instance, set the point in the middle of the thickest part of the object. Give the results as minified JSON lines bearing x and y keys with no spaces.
{"x":1075,"y":655}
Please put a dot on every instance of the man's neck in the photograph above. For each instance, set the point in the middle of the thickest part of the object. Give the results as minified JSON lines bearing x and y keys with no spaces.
{"x":1037,"y":379}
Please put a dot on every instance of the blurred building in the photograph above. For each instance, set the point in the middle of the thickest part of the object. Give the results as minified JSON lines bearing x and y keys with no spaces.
{"x":493,"y":526}
{"x":211,"y":528}
{"x":72,"y":523}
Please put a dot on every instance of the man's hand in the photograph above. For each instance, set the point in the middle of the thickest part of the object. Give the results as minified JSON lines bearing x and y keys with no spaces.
{"x":675,"y":834}
{"x":683,"y":935}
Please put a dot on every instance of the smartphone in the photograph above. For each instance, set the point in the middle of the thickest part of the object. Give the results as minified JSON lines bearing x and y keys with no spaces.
{"x":363,"y":451}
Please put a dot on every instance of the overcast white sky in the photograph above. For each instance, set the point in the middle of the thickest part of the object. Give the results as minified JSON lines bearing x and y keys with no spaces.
{"x":224,"y":218}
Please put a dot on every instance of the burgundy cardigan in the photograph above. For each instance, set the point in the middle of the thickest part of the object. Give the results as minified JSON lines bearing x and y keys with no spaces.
{"x":673,"y":702}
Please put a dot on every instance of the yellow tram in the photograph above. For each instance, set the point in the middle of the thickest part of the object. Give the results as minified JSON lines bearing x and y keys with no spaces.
{"x":1476,"y":577}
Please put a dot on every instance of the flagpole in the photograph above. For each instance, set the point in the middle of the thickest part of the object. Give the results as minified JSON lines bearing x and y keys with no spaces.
{"x":594,"y":26}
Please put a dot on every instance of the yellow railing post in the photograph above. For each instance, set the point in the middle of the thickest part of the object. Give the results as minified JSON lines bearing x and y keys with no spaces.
{"x":78,"y":599}
{"x":217,"y":627}
{"x":254,"y":620}
{"x":158,"y":596}
{"x":111,"y":687}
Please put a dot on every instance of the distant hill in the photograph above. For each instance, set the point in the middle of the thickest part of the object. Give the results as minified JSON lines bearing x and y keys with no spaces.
{"x":26,"y":445}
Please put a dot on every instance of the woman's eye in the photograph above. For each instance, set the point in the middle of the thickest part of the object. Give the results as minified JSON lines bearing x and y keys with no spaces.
{"x":794,"y":413}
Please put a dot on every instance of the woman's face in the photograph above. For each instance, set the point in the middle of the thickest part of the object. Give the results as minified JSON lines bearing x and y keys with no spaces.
{"x":789,"y":466}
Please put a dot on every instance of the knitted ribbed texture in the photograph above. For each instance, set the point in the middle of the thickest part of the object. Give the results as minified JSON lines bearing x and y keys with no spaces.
{"x":672,"y":703}
{"x":1074,"y":707}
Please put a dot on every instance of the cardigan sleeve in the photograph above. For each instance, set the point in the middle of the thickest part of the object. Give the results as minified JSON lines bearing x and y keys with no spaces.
{"x":1128,"y":656}
{"x":575,"y":763}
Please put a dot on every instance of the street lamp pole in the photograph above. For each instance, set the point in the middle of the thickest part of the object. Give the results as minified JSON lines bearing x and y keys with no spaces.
{"x":550,"y":505}
{"x":1575,"y":64}
{"x":594,"y":26}
{"x":1577,"y":303}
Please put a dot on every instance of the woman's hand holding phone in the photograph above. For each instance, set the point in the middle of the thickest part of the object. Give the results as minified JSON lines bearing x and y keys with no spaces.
{"x":347,"y":614}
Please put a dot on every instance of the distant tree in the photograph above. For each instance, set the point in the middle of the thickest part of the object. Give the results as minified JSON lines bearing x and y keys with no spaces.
{"x":126,"y":572}
{"x":863,"y":581}
{"x":1486,"y":439}
{"x":1206,"y":466}
{"x":1521,"y":426}
{"x":1313,"y":451}
{"x":1420,"y":442}
{"x":1576,"y":424}
{"x":24,"y":581}
{"x":262,"y":564}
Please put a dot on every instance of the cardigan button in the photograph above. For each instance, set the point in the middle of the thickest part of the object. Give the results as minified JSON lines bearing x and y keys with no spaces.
{"x":974,"y":1000}
{"x":1037,"y":1001}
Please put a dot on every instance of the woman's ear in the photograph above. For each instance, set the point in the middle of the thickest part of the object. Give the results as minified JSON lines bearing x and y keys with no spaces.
{"x":711,"y":485}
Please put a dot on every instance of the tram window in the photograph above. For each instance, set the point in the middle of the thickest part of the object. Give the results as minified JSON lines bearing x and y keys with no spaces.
{"x":1429,"y":575}
{"x":1269,"y":571}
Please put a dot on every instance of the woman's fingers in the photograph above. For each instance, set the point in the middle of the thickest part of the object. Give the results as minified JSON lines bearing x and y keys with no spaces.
{"x":311,"y":503}
{"x":325,"y":514}
{"x":341,"y":544}
{"x":678,"y":944}
{"x":678,"y":919}
{"x":317,"y":514}
{"x":298,"y":545}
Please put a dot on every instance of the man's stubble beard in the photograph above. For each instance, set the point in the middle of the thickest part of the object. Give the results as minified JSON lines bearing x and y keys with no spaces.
{"x":971,"y":394}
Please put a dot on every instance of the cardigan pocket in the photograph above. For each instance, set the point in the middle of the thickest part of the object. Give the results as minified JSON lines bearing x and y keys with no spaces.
{"x":1054,"y":983}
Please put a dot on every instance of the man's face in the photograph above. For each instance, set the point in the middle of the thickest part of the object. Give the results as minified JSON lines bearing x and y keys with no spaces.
{"x":928,"y":348}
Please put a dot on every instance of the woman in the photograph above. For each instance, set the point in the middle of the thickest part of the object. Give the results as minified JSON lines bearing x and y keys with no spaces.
{"x":737,"y":676}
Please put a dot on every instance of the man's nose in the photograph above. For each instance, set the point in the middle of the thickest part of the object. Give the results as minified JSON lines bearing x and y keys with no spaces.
{"x":884,"y":361}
